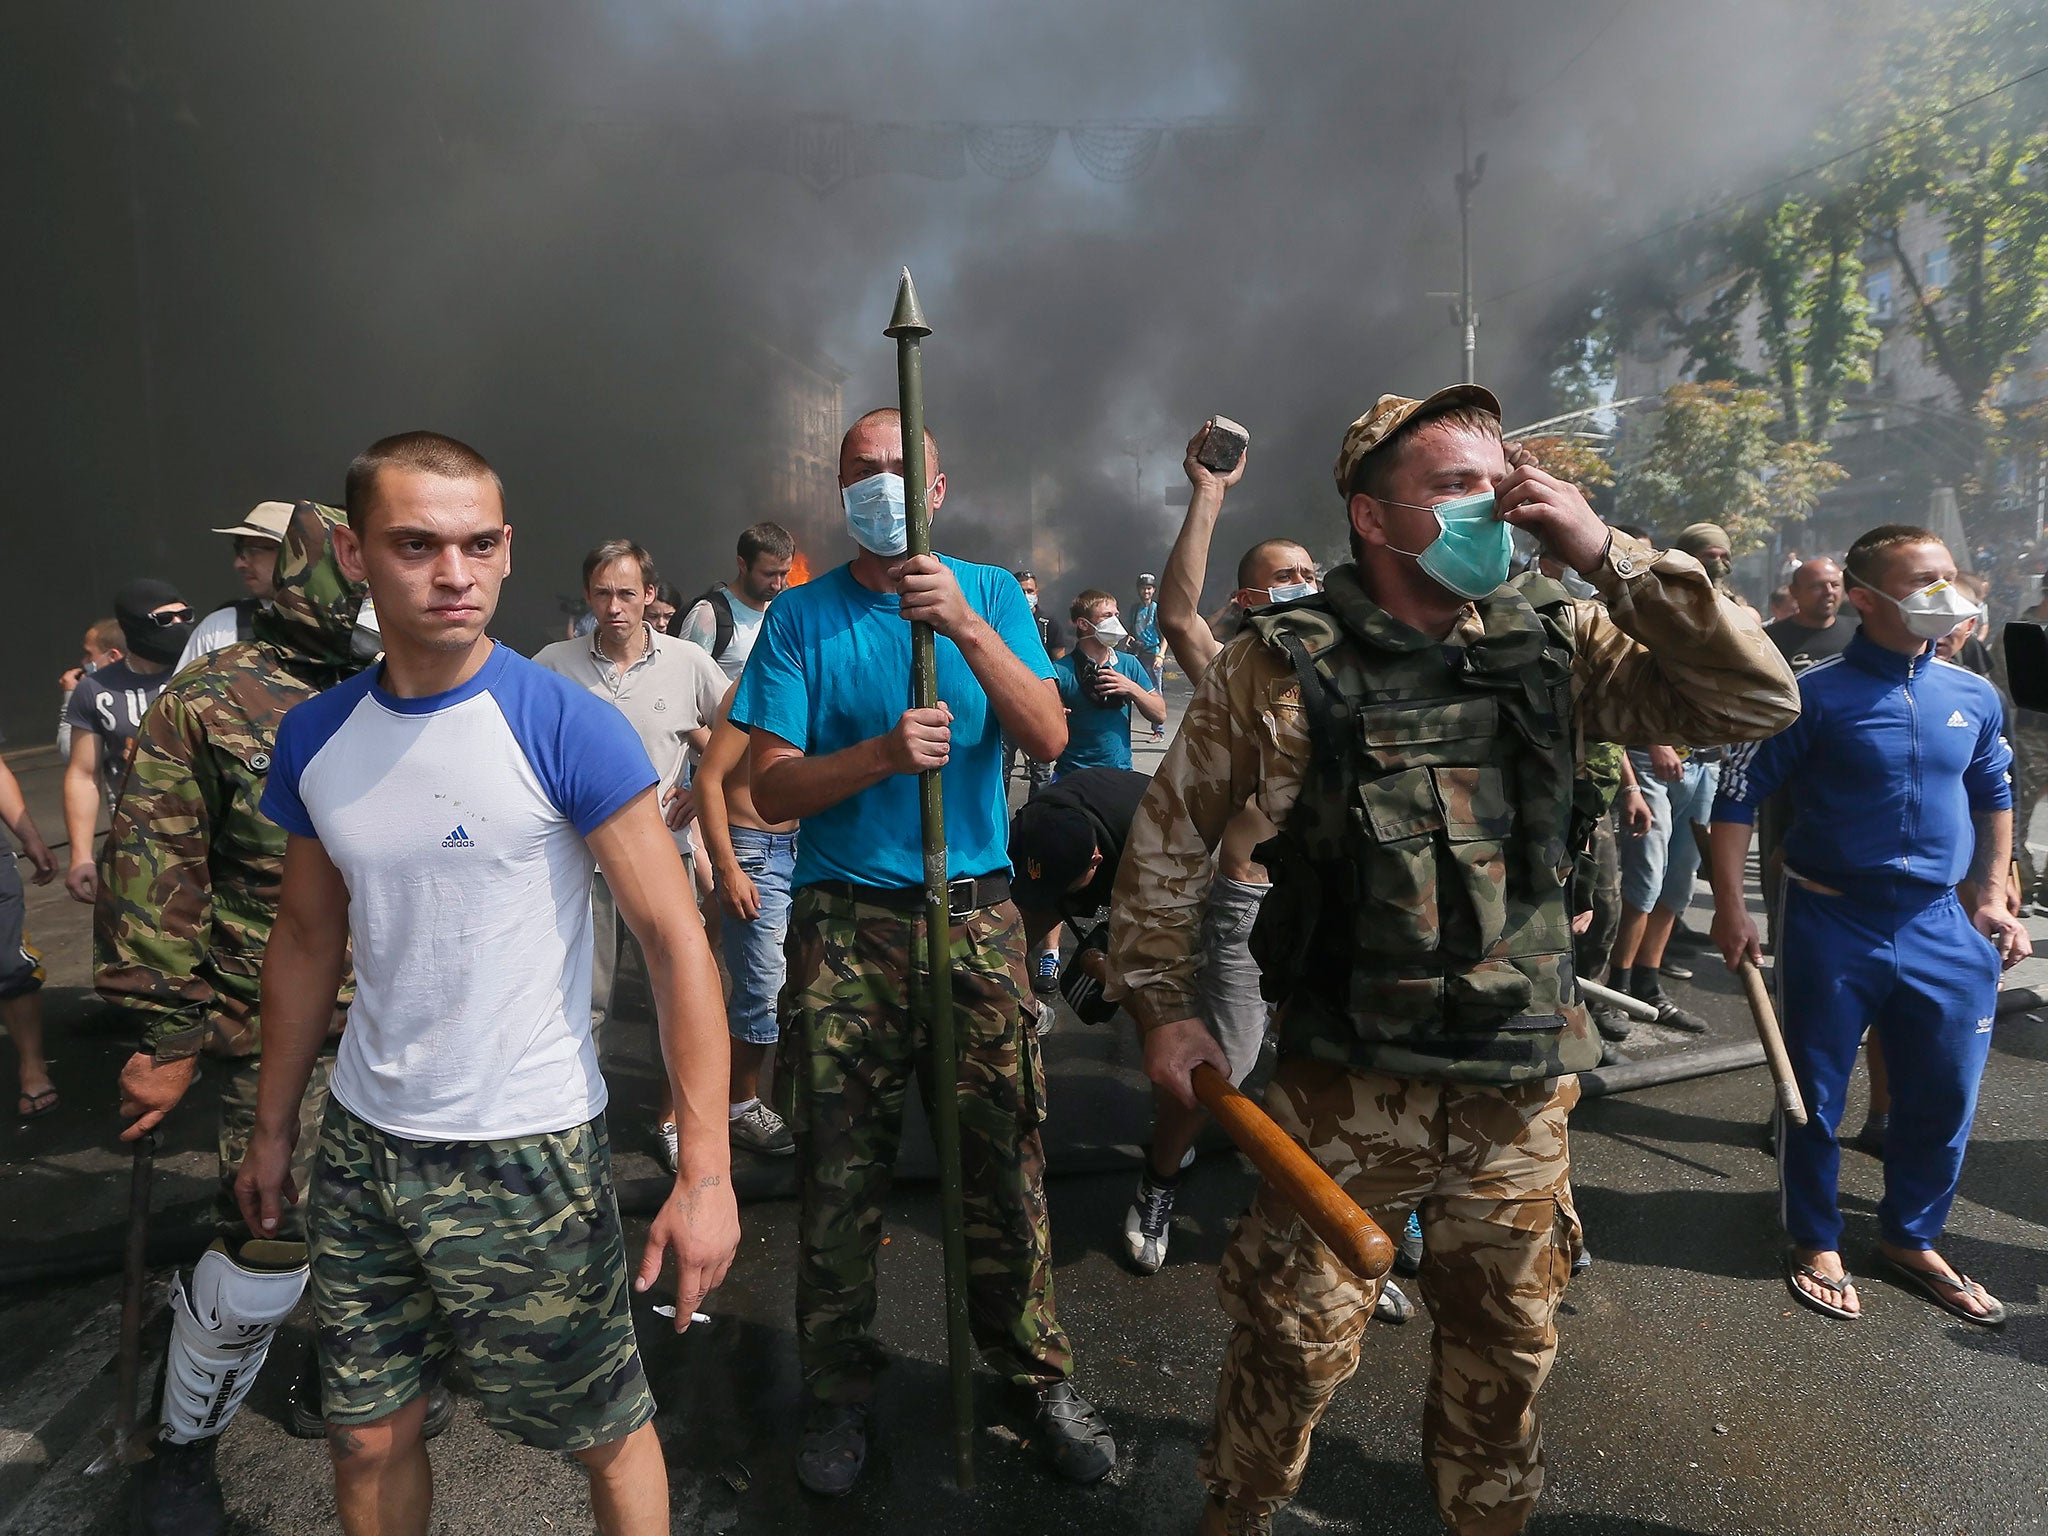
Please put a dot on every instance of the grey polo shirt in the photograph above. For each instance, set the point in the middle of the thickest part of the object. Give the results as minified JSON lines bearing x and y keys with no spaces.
{"x":674,"y":687}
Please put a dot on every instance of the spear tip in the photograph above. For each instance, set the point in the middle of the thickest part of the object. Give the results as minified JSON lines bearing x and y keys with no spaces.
{"x":908,"y":320}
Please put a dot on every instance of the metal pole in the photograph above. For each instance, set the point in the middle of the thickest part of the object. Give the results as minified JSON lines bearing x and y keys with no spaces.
{"x":1467,"y":179}
{"x":935,"y":990}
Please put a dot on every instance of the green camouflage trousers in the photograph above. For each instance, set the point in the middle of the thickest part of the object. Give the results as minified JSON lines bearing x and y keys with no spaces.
{"x":1489,"y":1168}
{"x":509,"y":1251}
{"x":238,"y":1124}
{"x":850,"y":1042}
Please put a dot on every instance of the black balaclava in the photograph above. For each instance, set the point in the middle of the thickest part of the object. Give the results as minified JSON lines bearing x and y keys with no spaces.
{"x":160,"y":643}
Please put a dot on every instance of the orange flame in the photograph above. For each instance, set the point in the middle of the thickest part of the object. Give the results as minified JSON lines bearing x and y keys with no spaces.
{"x":799,"y":570}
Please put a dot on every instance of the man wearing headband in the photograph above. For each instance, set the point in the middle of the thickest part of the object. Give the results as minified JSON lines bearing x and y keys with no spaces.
{"x":1412,"y":732}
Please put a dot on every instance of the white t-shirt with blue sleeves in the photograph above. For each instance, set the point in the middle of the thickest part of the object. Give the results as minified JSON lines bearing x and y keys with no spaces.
{"x":457,"y":822}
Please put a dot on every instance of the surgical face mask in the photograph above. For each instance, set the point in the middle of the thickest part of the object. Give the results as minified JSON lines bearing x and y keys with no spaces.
{"x":1472,"y":550}
{"x":1110,"y":630}
{"x":1288,"y":591}
{"x":875,"y":514}
{"x":1933,"y":611}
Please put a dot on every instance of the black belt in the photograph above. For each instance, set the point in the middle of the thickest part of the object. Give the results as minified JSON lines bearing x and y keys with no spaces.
{"x":970,"y":893}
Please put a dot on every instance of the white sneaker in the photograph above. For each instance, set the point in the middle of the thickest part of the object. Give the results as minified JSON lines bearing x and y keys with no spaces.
{"x":762,"y":1130}
{"x":1148,"y":1224}
{"x":671,"y":1156}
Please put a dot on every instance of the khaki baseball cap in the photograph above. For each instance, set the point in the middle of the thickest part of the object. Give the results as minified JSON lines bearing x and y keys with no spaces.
{"x":266,"y":520}
{"x":1387,"y":414}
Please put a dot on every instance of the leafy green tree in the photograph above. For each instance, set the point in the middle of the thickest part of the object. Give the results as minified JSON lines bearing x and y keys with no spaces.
{"x":1715,"y":457}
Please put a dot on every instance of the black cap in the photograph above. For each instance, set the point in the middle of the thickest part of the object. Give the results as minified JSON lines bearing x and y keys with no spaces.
{"x":1050,"y":846}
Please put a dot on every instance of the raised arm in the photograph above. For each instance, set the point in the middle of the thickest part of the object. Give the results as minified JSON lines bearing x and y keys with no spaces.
{"x":1187,"y":635}
{"x":699,"y":1223}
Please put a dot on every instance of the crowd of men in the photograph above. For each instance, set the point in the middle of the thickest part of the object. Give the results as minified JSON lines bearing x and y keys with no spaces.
{"x":373,"y":867}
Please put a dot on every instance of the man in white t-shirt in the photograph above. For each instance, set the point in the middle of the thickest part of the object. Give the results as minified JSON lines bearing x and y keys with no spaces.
{"x":668,"y":690}
{"x":444,"y":808}
{"x":726,"y":620}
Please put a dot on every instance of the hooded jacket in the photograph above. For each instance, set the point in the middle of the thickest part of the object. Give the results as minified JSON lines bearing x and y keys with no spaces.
{"x":190,"y":876}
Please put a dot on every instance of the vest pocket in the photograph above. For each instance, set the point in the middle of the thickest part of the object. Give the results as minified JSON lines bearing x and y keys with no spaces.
{"x":1397,"y":888}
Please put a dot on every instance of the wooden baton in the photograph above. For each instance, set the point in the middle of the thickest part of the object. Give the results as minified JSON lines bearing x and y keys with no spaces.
{"x":1332,"y":1215}
{"x":1767,"y":1031}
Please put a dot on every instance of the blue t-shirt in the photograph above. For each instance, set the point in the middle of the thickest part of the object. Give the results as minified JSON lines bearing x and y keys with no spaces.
{"x":1098,"y":734}
{"x":832,"y":669}
{"x":1145,"y":626}
{"x":457,"y":822}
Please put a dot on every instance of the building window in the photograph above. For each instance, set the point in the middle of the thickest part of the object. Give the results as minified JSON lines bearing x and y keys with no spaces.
{"x":1937,"y":267}
{"x":1877,"y":292}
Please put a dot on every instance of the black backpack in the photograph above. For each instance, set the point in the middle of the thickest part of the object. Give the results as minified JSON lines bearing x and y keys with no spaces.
{"x":721,"y":615}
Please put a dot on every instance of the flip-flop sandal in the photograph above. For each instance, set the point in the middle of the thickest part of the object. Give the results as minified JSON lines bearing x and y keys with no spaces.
{"x":1929,"y":1286}
{"x":1794,"y":1270}
{"x":31,"y":1106}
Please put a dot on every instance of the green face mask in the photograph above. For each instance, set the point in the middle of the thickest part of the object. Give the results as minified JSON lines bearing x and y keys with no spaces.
{"x":1472,"y":550}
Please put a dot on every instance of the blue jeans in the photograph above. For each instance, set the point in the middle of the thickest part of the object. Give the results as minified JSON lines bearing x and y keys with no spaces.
{"x":753,"y":947}
{"x":1660,"y":868}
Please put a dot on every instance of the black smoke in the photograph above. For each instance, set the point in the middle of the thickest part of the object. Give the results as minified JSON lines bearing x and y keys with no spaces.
{"x":247,"y":238}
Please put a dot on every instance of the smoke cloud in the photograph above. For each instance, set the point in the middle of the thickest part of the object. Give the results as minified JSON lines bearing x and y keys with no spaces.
{"x":594,"y":241}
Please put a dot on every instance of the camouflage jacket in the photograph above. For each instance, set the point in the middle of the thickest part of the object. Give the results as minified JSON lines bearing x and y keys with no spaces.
{"x":190,"y":874}
{"x":1666,"y":660}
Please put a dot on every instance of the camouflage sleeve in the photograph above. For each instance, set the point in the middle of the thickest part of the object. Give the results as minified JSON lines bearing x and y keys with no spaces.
{"x":1243,"y":737}
{"x":153,"y":921}
{"x":1670,"y":660}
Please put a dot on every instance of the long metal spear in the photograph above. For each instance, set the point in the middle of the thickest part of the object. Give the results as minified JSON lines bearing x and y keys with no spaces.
{"x":907,"y":326}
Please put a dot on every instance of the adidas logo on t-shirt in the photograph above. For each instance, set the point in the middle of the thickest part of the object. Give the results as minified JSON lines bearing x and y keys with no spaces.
{"x":1956,"y":718}
{"x":457,"y":839}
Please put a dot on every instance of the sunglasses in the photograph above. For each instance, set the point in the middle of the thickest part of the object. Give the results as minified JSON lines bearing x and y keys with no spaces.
{"x":168,"y":618}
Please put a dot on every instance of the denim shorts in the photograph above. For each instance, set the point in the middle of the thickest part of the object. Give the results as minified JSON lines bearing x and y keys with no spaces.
{"x":1660,"y":868}
{"x":753,"y":949}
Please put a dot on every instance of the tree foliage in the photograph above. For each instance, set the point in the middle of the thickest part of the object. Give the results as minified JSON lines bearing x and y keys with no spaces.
{"x":1715,"y":457}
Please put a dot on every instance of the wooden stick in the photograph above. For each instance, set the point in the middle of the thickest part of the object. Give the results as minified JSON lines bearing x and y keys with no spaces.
{"x":1767,"y":1031}
{"x":1332,"y":1215}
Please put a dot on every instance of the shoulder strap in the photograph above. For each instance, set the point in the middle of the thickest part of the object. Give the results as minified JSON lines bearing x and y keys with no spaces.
{"x":721,"y":617}
{"x":245,"y":618}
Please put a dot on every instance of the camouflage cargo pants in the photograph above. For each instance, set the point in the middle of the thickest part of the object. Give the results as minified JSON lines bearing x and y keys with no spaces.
{"x":851,"y":1040}
{"x":238,"y":1124}
{"x":1489,"y":1168}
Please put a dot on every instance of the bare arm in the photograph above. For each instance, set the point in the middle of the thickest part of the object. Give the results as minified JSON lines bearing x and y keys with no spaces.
{"x":1734,"y":929}
{"x":14,"y":812}
{"x":1181,"y":624}
{"x":727,"y":751}
{"x":303,"y":966}
{"x":700,"y":1221}
{"x":82,"y":814}
{"x":788,"y":786}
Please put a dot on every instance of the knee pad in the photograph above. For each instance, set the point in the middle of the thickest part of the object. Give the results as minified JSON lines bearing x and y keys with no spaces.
{"x":221,"y":1327}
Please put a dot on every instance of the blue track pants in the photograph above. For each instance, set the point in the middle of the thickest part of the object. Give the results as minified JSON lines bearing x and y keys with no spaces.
{"x":1927,"y":982}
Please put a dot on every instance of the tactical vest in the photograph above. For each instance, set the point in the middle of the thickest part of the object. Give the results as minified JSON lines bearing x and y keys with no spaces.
{"x":1418,"y":922}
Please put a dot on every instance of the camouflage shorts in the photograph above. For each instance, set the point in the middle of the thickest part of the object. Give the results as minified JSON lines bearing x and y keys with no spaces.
{"x":508,"y":1251}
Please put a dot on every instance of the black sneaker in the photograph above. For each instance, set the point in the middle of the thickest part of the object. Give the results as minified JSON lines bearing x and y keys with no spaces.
{"x":1072,"y":1436}
{"x":1148,"y":1223}
{"x":176,"y":1492}
{"x":834,"y":1448}
{"x":1871,"y":1138}
{"x":1045,"y":978}
{"x":1669,"y":1014}
{"x":1612,"y":1023}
